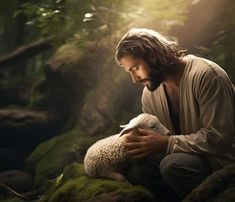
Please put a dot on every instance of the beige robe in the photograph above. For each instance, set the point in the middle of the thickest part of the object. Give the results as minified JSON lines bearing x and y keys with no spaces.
{"x":206,"y":112}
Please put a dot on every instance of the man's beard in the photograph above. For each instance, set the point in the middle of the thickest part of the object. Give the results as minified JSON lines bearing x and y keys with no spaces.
{"x":155,"y":78}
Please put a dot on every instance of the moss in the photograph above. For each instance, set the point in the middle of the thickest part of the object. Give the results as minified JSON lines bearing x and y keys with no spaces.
{"x":75,"y":185}
{"x":74,"y":170}
{"x":85,"y":188}
{"x":51,"y":157}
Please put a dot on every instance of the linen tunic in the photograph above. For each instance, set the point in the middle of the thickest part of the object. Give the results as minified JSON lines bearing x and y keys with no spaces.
{"x":206,"y":112}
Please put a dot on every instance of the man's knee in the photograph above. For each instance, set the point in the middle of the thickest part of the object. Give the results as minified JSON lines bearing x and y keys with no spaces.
{"x":183,"y":171}
{"x":182,"y":162}
{"x":168,"y":166}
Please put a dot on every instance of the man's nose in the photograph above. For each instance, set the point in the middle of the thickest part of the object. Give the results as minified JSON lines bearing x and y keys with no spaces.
{"x":135,"y":78}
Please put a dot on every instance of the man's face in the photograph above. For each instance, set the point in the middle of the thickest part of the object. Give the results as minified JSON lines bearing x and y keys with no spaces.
{"x":141,"y":72}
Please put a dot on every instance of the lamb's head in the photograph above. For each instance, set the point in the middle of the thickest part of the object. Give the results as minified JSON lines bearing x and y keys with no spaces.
{"x":145,"y":121}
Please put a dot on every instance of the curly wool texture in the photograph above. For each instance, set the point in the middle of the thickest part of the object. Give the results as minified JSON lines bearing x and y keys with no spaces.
{"x":104,"y":156}
{"x":107,"y":159}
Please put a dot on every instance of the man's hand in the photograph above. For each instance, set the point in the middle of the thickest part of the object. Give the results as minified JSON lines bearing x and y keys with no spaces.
{"x":143,"y":142}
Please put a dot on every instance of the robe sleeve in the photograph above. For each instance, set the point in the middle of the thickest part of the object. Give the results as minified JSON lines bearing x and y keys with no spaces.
{"x":215,"y":95}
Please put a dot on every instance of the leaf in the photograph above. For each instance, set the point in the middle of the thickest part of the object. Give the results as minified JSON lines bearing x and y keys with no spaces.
{"x":17,"y":13}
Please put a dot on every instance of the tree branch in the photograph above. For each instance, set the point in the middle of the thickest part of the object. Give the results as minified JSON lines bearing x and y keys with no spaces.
{"x":25,"y":51}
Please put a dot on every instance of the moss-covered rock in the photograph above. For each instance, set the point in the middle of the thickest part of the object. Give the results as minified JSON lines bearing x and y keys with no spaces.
{"x":74,"y":185}
{"x":218,"y":187}
{"x":85,"y":88}
{"x":50,"y":158}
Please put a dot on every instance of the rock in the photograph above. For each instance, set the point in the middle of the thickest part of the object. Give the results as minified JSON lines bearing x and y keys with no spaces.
{"x":74,"y":185}
{"x":24,"y":127}
{"x":218,"y":187}
{"x":13,"y":158}
{"x":50,"y":158}
{"x":91,"y":91}
{"x":17,"y":180}
{"x":116,"y":101}
{"x":70,"y":73}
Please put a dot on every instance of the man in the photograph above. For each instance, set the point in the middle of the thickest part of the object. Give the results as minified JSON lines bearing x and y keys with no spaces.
{"x":193,"y":97}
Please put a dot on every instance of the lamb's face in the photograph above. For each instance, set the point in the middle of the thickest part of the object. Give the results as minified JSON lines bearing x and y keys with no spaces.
{"x":144,"y":121}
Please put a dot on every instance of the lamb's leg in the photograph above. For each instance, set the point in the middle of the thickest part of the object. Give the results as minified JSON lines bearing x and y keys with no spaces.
{"x":116,"y":176}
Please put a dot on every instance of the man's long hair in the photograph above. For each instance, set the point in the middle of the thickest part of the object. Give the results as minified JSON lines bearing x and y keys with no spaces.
{"x":151,"y":46}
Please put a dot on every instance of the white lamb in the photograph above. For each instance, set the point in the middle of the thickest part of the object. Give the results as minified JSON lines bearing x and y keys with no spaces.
{"x":107,"y":159}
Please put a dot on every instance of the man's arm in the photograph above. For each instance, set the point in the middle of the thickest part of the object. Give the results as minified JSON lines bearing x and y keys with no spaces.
{"x":215,"y":97}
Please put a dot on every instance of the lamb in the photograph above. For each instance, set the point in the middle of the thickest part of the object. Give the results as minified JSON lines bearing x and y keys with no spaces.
{"x":107,"y":159}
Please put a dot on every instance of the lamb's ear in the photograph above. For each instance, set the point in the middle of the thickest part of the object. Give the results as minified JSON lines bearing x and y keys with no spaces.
{"x":124,"y":131}
{"x":127,"y":128}
{"x":123,"y":126}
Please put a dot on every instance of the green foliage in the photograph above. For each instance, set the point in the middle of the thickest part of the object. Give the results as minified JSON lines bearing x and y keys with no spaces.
{"x":46,"y":15}
{"x":222,"y":51}
{"x":97,"y":19}
{"x":93,"y":21}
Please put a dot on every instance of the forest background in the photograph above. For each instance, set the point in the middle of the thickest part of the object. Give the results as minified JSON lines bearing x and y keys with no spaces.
{"x":58,"y":75}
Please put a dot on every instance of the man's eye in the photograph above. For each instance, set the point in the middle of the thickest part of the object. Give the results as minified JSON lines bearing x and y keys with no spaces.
{"x":135,"y":68}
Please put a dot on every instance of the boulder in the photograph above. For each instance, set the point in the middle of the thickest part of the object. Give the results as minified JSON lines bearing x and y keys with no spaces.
{"x":15,"y":179}
{"x":218,"y":187}
{"x":74,"y":185}
{"x":49,"y":159}
{"x":24,"y":127}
